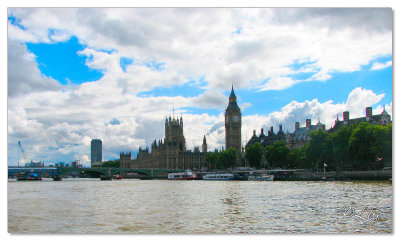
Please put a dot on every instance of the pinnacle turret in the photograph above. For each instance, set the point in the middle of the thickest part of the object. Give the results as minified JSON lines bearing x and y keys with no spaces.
{"x":204,"y":146}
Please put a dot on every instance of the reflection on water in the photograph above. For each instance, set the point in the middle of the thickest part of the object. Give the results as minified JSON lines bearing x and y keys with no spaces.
{"x":162,"y":206}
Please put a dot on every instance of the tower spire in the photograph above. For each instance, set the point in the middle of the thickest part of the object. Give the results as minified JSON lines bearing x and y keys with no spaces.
{"x":232,"y":93}
{"x":204,"y":146}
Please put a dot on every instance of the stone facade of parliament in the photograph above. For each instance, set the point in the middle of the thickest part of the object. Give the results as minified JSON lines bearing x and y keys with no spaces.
{"x":171,"y":152}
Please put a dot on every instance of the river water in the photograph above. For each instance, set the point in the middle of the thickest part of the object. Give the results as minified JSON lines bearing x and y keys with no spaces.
{"x":162,"y":206}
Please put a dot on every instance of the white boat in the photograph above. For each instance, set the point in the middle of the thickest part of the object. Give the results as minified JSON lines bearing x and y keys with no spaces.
{"x":187,"y":175}
{"x":223,"y":176}
{"x":266,"y":177}
{"x":263,"y":177}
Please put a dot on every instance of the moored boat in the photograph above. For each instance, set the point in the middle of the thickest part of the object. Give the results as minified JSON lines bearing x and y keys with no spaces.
{"x":57,"y":178}
{"x":266,"y":177}
{"x":327,"y":179}
{"x":29,"y":176}
{"x":218,"y":176}
{"x":187,"y":175}
{"x":117,"y":177}
{"x":263,"y":177}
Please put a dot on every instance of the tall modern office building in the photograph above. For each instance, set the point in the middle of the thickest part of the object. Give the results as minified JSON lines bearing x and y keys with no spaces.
{"x":96,"y":151}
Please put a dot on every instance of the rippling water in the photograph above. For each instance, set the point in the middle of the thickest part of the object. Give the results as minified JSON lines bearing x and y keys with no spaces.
{"x":162,"y":206}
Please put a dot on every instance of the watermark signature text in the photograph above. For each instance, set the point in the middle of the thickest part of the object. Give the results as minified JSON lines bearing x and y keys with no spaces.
{"x":364,"y":214}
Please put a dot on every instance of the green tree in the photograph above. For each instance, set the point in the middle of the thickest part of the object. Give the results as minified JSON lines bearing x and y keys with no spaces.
{"x":362,"y":146}
{"x":298,"y":158}
{"x":254,"y":155}
{"x":318,"y":150}
{"x":357,"y":147}
{"x":383,"y":146}
{"x":227,"y":158}
{"x":277,"y":154}
{"x":111,"y":163}
{"x":340,"y":148}
{"x":212,"y":159}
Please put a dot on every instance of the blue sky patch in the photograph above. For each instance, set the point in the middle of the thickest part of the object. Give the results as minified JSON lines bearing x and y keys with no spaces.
{"x":238,"y":30}
{"x":62,"y":62}
{"x":108,"y":51}
{"x":154,"y":65}
{"x":124,"y":62}
{"x":114,"y":121}
{"x":300,"y":64}
{"x":336,"y":89}
{"x":16,"y":22}
{"x":301,"y":75}
{"x":199,"y":111}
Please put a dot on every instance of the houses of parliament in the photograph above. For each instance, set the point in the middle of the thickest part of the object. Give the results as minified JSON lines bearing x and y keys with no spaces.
{"x":171,"y":152}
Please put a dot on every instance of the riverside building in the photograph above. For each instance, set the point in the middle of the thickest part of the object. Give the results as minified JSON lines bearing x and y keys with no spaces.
{"x":96,"y":154}
{"x":169,"y":153}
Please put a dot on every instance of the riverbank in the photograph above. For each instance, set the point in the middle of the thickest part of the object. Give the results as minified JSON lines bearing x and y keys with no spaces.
{"x":299,"y":175}
{"x":307,"y":175}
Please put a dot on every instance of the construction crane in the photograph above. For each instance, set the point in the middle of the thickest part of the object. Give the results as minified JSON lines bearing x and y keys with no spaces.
{"x":22,"y":151}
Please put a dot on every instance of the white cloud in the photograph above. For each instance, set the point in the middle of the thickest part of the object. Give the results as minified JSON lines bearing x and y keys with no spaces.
{"x":85,"y":161}
{"x":201,"y":42}
{"x":191,"y":43}
{"x":210,"y":99}
{"x":377,"y":65}
{"x":278,"y":83}
{"x":360,"y":98}
{"x":364,"y":19}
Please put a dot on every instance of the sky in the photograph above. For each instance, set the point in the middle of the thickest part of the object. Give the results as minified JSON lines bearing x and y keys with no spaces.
{"x":76,"y":74}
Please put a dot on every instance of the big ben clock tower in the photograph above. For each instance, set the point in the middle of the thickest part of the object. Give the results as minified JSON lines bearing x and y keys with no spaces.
{"x":233,"y":125}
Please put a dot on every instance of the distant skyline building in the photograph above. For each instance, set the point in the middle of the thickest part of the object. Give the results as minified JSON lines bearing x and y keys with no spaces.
{"x":96,"y":151}
{"x":34,"y":164}
{"x":76,"y":163}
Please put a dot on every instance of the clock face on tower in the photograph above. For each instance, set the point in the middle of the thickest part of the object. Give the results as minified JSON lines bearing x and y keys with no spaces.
{"x":236,"y":118}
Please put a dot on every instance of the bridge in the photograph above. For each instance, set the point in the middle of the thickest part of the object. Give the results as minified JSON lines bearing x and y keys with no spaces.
{"x":90,"y":172}
{"x":42,"y":171}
